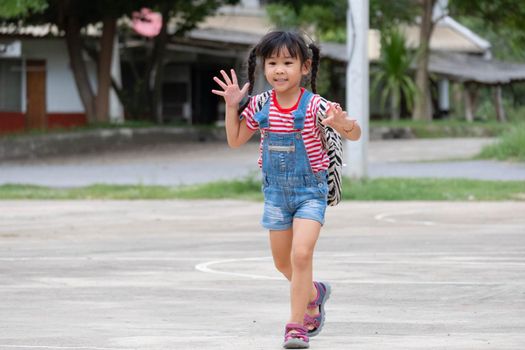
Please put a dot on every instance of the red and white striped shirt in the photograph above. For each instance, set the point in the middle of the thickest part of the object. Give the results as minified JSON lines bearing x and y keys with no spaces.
{"x":282,"y":120}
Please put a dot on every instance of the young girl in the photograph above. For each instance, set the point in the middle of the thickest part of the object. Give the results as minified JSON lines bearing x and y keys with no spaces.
{"x":293,"y":163}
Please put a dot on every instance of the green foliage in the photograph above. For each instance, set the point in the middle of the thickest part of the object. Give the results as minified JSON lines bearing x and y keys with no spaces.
{"x":495,"y":13}
{"x":323,"y":21}
{"x":507,"y":42}
{"x":511,"y":146}
{"x":328,"y":17}
{"x":21,"y":8}
{"x":433,"y":189}
{"x":388,"y":13}
{"x":250,"y":189}
{"x":393,"y":72}
{"x":500,"y":21}
{"x":445,"y":127}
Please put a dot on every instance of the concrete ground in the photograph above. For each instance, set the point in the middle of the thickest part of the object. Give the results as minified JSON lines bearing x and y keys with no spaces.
{"x":108,"y":275}
{"x":189,"y":163}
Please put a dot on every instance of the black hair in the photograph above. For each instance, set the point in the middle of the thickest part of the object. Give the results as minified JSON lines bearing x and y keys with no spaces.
{"x":275,"y":41}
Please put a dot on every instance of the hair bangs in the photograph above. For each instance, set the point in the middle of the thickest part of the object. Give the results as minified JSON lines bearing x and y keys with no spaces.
{"x":278,"y":43}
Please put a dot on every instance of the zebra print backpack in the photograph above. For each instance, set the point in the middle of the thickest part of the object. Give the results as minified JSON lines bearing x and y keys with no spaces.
{"x":333,"y":144}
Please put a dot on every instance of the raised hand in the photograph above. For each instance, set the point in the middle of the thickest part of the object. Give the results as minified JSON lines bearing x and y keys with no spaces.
{"x":336,"y":117}
{"x":231,"y":92}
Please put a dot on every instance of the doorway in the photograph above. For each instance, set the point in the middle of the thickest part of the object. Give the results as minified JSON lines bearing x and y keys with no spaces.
{"x":36,"y":94}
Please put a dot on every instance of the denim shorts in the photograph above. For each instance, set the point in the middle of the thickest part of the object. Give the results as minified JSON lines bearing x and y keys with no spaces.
{"x":286,"y":198}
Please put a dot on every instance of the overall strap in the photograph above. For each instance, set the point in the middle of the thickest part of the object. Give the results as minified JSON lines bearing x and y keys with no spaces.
{"x":261,"y":117}
{"x":300,"y":113}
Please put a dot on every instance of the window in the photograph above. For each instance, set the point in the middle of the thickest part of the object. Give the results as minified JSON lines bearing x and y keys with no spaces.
{"x":10,"y":85}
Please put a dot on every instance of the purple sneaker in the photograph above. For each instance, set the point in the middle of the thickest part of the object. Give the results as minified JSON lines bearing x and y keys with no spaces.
{"x":323,"y":294}
{"x":295,"y":337}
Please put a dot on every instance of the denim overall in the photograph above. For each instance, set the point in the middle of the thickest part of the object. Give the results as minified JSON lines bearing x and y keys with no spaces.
{"x":291,"y":189}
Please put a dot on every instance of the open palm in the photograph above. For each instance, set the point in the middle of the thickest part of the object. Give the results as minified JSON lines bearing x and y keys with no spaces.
{"x":231,"y":92}
{"x":335,"y":116}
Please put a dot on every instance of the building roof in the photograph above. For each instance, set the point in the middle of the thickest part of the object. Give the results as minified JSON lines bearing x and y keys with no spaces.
{"x":472,"y":68}
{"x":448,"y":34}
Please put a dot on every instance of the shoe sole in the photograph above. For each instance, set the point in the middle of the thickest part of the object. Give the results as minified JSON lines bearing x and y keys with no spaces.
{"x":295,"y":343}
{"x":326,"y":297}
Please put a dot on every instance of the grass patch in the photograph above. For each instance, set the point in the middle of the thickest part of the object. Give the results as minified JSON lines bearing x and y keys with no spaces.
{"x":138,"y":124}
{"x":511,"y":146}
{"x":250,"y":189}
{"x":404,"y":189}
{"x":447,"y":128}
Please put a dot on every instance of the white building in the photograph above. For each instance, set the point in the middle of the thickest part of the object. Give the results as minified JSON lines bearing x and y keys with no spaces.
{"x":37,"y":87}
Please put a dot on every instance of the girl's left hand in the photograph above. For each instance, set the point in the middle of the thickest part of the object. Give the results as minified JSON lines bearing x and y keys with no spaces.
{"x":336,"y":117}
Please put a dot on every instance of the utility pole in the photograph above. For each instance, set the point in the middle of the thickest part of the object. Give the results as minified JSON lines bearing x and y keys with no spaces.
{"x":357,"y":85}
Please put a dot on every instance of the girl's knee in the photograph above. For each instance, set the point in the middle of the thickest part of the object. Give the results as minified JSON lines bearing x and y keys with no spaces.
{"x":283,"y":266}
{"x":302,"y":258}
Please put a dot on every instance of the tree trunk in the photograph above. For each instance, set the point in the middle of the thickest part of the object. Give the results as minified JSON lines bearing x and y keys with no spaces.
{"x":157,"y":71}
{"x":471,"y":95}
{"x":78,"y":66}
{"x":395,"y":105}
{"x":104,"y":69}
{"x":422,"y":106}
{"x":498,"y":103}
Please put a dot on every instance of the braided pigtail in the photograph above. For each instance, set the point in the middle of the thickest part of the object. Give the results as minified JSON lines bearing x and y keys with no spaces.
{"x":252,"y":64}
{"x":315,"y":66}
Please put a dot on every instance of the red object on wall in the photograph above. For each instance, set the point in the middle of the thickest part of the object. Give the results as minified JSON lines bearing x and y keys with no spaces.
{"x":12,"y":122}
{"x":65,"y":120}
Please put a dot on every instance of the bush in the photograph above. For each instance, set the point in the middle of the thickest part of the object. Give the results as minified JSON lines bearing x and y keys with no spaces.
{"x":510,"y":147}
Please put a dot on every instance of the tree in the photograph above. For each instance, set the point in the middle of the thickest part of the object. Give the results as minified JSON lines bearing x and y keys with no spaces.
{"x":423,"y":103}
{"x":328,"y":17}
{"x":17,"y":8}
{"x":392,"y":74}
{"x":387,"y":13}
{"x":500,"y":21}
{"x":73,"y":16}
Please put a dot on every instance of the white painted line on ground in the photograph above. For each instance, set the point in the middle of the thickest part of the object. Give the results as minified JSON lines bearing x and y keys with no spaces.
{"x":204,"y":267}
{"x":88,"y":258}
{"x":389,"y":217}
{"x":4,"y":346}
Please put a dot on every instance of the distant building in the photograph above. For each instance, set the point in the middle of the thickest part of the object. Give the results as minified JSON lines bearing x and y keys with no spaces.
{"x":37,"y":88}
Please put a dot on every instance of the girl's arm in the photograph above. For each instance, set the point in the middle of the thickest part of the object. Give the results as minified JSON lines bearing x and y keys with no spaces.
{"x":237,"y":132}
{"x":346,"y":127}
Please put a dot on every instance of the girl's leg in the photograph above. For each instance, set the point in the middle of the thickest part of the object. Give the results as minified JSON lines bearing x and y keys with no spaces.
{"x":305,"y":235}
{"x":281,"y":244}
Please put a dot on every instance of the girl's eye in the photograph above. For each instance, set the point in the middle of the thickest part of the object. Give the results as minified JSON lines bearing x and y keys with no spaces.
{"x":271,"y":63}
{"x":288,"y":63}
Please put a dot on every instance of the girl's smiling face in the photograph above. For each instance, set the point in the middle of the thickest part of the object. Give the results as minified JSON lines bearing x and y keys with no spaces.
{"x":284,"y":72}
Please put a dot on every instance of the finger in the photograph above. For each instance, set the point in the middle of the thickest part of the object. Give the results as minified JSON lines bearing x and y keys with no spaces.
{"x":337,"y":108}
{"x":226,"y":77}
{"x":327,"y":121}
{"x":234,"y":76}
{"x":218,"y":81}
{"x":244,"y":89}
{"x":330,"y":111}
{"x":218,"y":92}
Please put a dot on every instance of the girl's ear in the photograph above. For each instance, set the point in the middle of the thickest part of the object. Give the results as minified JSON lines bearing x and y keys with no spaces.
{"x":307,"y":65}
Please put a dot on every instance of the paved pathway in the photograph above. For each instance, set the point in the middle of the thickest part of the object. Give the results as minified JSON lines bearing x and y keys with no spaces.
{"x":175,"y":164}
{"x":163,"y":275}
